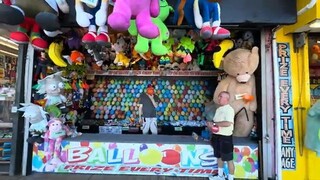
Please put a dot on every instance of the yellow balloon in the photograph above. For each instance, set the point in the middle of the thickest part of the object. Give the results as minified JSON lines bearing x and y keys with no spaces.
{"x":239,"y":172}
{"x":96,"y":144}
{"x":41,"y":154}
{"x":150,"y":157}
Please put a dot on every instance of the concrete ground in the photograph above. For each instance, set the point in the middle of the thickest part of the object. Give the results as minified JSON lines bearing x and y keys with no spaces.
{"x":48,"y":176}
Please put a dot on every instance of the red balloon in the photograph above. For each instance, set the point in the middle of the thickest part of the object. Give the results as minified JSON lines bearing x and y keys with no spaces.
{"x":84,"y":143}
{"x":170,"y":157}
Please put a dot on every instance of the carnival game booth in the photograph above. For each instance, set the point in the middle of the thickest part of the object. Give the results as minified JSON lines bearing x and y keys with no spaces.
{"x":83,"y":114}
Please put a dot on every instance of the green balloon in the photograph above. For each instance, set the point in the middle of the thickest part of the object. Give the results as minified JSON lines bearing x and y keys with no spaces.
{"x":247,"y":166}
{"x":191,"y":147}
{"x":254,"y":157}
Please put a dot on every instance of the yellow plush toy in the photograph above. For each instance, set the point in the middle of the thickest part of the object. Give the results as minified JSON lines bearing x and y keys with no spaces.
{"x":240,"y":65}
{"x":121,"y":59}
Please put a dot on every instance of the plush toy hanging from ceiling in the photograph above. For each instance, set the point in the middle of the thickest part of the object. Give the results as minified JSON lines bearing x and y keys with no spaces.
{"x":31,"y":15}
{"x":140,"y":10}
{"x":157,"y":48}
{"x":51,"y":86}
{"x":96,"y":15}
{"x":203,"y":15}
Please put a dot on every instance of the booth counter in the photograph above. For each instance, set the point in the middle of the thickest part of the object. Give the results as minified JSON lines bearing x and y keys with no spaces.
{"x":145,"y":155}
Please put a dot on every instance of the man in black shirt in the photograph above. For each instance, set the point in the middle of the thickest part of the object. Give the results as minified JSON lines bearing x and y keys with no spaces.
{"x":147,"y":110}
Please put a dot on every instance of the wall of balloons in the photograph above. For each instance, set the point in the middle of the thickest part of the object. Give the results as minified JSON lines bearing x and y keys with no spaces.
{"x":115,"y":99}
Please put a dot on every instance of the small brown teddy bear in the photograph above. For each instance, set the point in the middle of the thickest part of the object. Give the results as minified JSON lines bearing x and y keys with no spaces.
{"x":240,"y":65}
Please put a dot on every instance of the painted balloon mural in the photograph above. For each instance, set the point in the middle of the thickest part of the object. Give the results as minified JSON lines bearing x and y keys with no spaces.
{"x":182,"y":101}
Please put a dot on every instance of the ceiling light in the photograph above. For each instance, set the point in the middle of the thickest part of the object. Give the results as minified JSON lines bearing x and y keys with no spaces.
{"x":8,"y":53}
{"x":315,"y":24}
{"x":8,"y":41}
{"x":9,"y":45}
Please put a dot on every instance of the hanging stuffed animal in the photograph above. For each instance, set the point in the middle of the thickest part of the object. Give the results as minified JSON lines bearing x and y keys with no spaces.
{"x":41,"y":67}
{"x":96,"y":15}
{"x":51,"y":86}
{"x":140,"y":10}
{"x":77,"y":57}
{"x":31,"y":15}
{"x":203,"y":15}
{"x":207,"y":19}
{"x":37,"y":117}
{"x":53,"y":137}
{"x":157,"y":48}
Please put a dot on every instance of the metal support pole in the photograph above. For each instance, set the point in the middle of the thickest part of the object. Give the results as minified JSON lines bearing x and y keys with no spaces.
{"x":18,"y":120}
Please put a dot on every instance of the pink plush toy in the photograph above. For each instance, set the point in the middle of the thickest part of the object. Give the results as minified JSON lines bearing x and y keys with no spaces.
{"x":53,"y":138}
{"x":141,"y":10}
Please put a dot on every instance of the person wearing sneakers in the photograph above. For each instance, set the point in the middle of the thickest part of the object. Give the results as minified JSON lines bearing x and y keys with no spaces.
{"x":147,"y":111}
{"x":222,"y":140}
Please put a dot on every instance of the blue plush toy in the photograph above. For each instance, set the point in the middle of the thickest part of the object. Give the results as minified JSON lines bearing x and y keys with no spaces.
{"x":312,"y":137}
{"x":203,"y":15}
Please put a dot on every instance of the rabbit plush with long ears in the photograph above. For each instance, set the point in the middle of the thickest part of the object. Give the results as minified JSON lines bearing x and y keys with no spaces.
{"x":37,"y":117}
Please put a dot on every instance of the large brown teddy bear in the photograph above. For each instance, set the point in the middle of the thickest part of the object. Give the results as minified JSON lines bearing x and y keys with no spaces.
{"x":240,"y":65}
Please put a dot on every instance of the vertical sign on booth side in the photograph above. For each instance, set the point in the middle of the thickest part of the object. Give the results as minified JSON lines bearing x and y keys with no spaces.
{"x":288,"y":151}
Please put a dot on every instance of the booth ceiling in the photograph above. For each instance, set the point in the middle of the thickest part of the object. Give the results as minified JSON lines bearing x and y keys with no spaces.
{"x":236,"y":12}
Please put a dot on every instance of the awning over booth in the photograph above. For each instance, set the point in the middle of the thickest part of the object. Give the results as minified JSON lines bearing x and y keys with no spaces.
{"x":237,"y":12}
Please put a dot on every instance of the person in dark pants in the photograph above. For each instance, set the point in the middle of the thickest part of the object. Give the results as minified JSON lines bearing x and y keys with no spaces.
{"x":222,"y":140}
{"x":147,"y":111}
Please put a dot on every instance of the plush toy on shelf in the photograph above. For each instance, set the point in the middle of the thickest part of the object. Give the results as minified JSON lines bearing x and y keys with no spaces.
{"x":240,"y":65}
{"x":157,"y":47}
{"x":33,"y":15}
{"x":37,"y":117}
{"x":121,"y":59}
{"x":96,"y":15}
{"x":185,"y":48}
{"x":315,"y":54}
{"x":141,"y":10}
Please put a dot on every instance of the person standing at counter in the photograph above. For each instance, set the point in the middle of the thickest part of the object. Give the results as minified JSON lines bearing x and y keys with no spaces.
{"x":147,"y":111}
{"x":222,"y":140}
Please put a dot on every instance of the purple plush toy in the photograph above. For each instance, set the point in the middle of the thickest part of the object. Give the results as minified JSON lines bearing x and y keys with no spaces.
{"x":142,"y":11}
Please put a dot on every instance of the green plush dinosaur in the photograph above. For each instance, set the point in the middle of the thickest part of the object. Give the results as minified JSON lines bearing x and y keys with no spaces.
{"x":157,"y":48}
